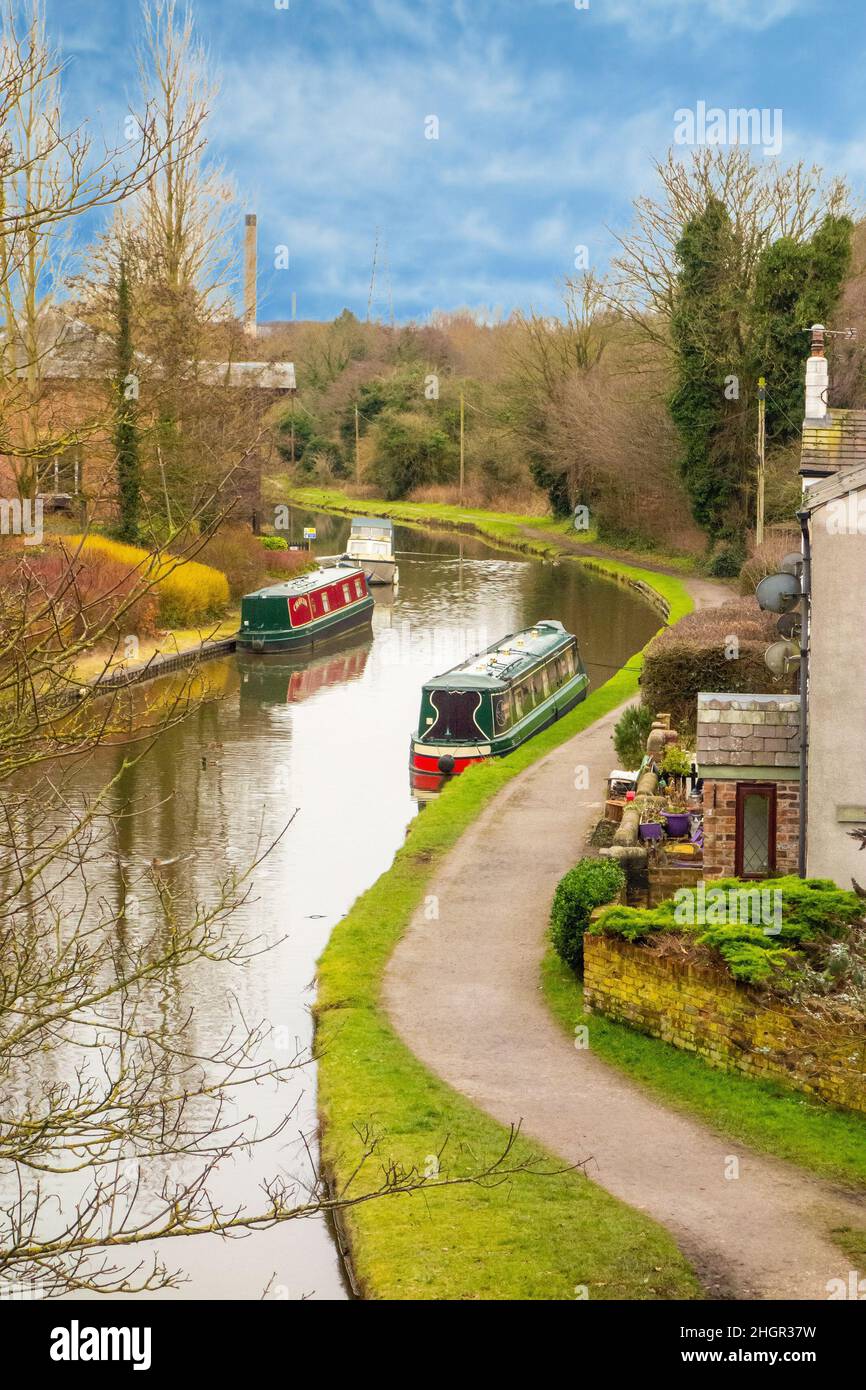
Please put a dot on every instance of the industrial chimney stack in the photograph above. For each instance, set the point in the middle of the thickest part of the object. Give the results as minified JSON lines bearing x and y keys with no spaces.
{"x":250,"y":275}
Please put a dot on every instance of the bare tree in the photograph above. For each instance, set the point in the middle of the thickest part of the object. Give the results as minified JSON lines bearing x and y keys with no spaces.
{"x":764,"y":202}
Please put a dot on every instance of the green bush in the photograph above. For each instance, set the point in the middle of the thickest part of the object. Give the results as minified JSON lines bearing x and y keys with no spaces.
{"x":274,"y":542}
{"x":676,"y":760}
{"x":630,"y":734}
{"x":815,"y":917}
{"x":727,"y":560}
{"x":590,"y":884}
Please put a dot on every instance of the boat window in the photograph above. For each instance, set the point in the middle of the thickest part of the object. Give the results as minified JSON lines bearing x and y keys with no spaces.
{"x":358,"y":590}
{"x":538,"y":687}
{"x":502,"y":710}
{"x":346,"y":595}
{"x":454,"y":714}
{"x":326,"y":606}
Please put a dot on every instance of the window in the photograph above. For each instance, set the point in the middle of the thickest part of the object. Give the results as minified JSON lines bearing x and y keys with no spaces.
{"x":326,"y":606}
{"x":454,"y":714}
{"x":359,"y":592}
{"x":347,"y":597}
{"x":755,"y":841}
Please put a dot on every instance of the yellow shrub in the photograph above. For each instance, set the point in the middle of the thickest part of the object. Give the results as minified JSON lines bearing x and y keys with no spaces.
{"x":189,"y":592}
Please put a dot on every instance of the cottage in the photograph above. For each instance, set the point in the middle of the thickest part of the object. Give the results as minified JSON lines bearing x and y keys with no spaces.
{"x":748,"y":752}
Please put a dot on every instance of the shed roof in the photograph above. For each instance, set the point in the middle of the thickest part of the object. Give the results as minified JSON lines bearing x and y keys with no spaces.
{"x":746,"y":731}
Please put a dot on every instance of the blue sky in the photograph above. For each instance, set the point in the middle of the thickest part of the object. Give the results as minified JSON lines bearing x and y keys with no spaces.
{"x":549,"y":117}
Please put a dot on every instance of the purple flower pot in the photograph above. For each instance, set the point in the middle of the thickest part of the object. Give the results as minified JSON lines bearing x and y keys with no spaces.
{"x":653,"y":831}
{"x":677,"y":822}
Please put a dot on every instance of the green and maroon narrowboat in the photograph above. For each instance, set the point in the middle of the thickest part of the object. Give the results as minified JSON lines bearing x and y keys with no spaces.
{"x":495,"y":701}
{"x":302,"y":613}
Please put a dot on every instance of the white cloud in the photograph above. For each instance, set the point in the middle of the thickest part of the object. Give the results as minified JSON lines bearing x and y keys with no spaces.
{"x":699,"y":19}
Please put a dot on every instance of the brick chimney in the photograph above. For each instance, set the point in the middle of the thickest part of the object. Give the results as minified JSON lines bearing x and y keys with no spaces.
{"x":817,"y":377}
{"x":250,"y":274}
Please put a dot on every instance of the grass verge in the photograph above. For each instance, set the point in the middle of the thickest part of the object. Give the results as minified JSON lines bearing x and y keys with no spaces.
{"x":533,"y":1237}
{"x":769,"y":1118}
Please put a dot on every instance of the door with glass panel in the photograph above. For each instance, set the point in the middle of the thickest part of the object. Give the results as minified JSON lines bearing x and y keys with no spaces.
{"x":755,"y":854}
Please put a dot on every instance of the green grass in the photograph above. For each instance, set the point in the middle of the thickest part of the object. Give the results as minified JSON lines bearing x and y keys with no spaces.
{"x":852,"y":1241}
{"x":769,"y":1118}
{"x":535,"y":1237}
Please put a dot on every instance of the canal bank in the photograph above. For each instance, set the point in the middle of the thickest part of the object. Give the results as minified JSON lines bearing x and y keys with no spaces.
{"x":328,"y":735}
{"x":540,"y":1237}
{"x":546,"y":538}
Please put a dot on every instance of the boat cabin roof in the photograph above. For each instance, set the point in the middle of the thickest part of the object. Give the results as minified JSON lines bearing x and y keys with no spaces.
{"x":308,"y":583}
{"x":373,"y":523}
{"x":506,"y":661}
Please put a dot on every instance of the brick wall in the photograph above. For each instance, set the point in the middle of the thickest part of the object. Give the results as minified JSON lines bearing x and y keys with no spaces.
{"x":701,"y":1010}
{"x":720,"y":827}
{"x":664,"y":880}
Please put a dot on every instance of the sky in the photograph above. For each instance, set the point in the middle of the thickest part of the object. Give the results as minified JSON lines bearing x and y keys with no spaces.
{"x":487,"y":141}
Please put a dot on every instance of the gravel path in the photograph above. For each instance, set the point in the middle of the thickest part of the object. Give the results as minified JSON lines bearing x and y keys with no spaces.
{"x":463,"y":992}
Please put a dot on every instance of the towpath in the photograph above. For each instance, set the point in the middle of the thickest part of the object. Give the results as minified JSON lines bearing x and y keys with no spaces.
{"x":463,"y":992}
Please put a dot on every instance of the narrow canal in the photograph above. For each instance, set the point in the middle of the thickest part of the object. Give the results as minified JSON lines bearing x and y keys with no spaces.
{"x":330,"y":738}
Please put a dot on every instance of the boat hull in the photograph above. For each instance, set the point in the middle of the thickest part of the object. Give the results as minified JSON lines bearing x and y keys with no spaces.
{"x":312,"y":635}
{"x":379,"y":571}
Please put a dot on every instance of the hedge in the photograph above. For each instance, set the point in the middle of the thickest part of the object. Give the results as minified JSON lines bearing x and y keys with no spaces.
{"x":718,"y":649}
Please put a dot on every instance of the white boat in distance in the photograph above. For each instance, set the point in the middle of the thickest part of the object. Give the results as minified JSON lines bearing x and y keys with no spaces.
{"x":371,"y":546}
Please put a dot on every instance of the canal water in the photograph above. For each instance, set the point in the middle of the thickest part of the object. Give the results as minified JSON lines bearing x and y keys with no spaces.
{"x":329,"y":738}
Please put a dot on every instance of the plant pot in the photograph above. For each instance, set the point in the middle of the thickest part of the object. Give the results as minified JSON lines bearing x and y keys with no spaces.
{"x":651,"y":831}
{"x":677,"y":822}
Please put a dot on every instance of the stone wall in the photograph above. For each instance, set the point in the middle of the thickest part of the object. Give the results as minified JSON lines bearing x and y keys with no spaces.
{"x":701,"y":1010}
{"x":720,"y":827}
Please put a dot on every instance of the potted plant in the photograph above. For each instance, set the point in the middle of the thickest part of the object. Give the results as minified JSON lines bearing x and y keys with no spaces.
{"x":650,"y":827}
{"x":676,"y":815}
{"x":676,"y":766}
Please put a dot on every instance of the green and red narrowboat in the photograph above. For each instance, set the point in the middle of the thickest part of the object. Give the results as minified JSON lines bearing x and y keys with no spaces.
{"x":302,"y":613}
{"x":495,"y":701}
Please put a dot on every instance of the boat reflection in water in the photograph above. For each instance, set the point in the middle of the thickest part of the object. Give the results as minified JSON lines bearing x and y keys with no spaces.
{"x":279,"y":679}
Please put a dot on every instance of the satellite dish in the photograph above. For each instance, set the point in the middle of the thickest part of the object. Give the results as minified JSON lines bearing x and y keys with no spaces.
{"x":778,"y":593}
{"x":793,"y":563}
{"x":781,"y":656}
{"x":789,"y":625}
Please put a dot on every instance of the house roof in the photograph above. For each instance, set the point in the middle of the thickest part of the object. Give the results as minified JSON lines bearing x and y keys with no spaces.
{"x":834,"y":443}
{"x":834,"y":486}
{"x":70,"y":349}
{"x":748,"y":731}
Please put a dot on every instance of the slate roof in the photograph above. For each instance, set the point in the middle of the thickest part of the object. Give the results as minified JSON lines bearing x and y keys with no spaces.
{"x":837,"y":442}
{"x":748,"y":730}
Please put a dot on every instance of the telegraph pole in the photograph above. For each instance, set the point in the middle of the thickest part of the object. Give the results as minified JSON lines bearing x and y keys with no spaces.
{"x":762,"y":440}
{"x":357,"y":447}
{"x":462,"y":444}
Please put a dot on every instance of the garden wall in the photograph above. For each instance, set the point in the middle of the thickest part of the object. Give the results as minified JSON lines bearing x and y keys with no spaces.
{"x":701,"y":1010}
